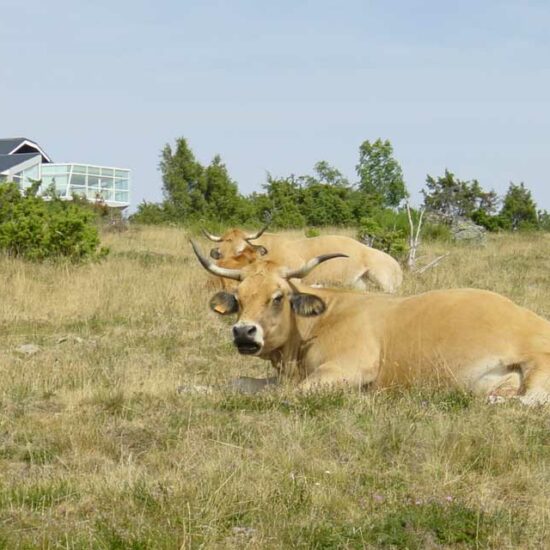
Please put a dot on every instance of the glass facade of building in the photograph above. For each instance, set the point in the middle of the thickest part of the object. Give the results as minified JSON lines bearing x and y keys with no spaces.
{"x":25,"y":177}
{"x":111,"y":185}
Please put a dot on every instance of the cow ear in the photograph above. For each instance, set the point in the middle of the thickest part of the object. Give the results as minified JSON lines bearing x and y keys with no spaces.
{"x":307,"y":305}
{"x":262,"y":250}
{"x":224,"y":303}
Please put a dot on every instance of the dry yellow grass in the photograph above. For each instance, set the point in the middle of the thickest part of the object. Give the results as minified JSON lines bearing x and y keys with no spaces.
{"x":98,"y":450}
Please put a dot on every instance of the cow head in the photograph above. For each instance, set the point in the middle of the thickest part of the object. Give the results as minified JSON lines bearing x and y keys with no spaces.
{"x":234,"y":242}
{"x":265,"y":302}
{"x":246,"y":257}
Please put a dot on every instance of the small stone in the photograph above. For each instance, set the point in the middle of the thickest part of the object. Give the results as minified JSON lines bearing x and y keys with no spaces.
{"x":195,"y":388}
{"x":244,"y":531}
{"x":27,"y":349}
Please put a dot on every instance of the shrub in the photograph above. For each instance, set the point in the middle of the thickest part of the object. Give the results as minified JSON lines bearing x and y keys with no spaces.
{"x":433,"y":231}
{"x":38,"y":229}
{"x":392,"y":241}
{"x":311,"y":232}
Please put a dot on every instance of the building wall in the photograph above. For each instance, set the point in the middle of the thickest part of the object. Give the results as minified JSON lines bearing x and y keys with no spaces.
{"x":111,"y":185}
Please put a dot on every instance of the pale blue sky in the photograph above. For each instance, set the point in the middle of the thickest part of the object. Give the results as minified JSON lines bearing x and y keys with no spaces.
{"x":277,"y":86}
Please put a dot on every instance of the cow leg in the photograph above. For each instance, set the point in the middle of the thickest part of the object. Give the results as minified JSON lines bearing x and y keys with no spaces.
{"x":537,"y":383}
{"x":335,"y":373}
{"x":500,"y":381}
{"x":246,"y":384}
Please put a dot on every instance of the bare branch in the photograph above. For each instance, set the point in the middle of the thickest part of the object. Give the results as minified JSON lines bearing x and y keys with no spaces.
{"x":431,"y":264}
{"x":414,"y":238}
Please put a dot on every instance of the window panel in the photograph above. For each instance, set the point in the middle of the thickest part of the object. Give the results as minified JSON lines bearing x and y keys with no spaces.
{"x":121,"y":196}
{"x":78,"y":179}
{"x":93,"y":182}
{"x":107,"y":183}
{"x":107,"y":195}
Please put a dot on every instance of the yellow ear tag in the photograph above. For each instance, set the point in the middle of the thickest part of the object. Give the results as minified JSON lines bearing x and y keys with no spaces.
{"x":219,"y":308}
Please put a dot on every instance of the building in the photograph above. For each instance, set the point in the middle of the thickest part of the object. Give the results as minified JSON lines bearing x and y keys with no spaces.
{"x":24,"y":161}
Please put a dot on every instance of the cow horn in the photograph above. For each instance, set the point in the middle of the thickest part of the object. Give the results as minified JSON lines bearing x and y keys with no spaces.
{"x":215,"y":269}
{"x":301,"y":272}
{"x":214,"y":238}
{"x":258,"y":234}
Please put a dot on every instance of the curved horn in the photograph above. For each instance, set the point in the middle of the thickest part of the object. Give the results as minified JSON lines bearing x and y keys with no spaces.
{"x":213,"y":268}
{"x":258,"y":234}
{"x":301,"y":272}
{"x":214,"y":238}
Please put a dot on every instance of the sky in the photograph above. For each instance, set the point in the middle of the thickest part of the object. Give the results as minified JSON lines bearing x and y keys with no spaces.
{"x":277,"y":86}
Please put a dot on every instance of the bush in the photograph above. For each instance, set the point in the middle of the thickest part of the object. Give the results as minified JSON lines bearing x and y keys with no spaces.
{"x":38,"y":229}
{"x":311,"y":232}
{"x":436,"y":232}
{"x":390,"y":240}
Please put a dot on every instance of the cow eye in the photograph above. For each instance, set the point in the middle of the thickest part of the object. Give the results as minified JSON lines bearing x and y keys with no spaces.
{"x":277,"y":300}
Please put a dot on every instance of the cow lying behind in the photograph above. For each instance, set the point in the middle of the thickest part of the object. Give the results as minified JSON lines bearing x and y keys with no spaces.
{"x":362,"y":263}
{"x":472,"y":338}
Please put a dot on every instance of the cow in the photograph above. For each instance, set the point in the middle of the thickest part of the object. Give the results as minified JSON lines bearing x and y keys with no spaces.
{"x":474,"y":339}
{"x":362,"y":263}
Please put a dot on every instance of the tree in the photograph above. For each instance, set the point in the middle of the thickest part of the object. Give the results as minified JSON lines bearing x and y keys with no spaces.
{"x":453,"y":198}
{"x":519,"y":210}
{"x":285,"y":197}
{"x":182,"y":178}
{"x":380,"y":175}
{"x":326,"y":174}
{"x":325,"y":197}
{"x":221,"y":194}
{"x":324,"y":204}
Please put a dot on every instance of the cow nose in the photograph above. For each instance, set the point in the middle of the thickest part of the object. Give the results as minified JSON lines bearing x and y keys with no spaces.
{"x":246,"y":332}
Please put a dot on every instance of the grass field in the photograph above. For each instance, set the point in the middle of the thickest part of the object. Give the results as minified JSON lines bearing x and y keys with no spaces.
{"x":99,"y":450}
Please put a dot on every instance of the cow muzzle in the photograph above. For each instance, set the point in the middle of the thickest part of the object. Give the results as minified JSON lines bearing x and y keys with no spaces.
{"x":248,"y":338}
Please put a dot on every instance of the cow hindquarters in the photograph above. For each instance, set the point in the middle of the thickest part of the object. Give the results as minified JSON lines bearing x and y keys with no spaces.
{"x":386,"y":277}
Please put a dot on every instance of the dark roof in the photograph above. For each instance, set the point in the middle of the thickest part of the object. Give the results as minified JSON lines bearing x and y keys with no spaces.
{"x":9,"y":161}
{"x":9,"y":144}
{"x":23,"y":145}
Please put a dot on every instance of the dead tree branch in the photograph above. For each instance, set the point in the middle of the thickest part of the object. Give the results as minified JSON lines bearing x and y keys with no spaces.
{"x":414,"y":238}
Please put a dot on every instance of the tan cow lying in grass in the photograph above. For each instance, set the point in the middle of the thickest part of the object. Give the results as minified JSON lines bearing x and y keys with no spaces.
{"x":472,"y":338}
{"x":362,"y":263}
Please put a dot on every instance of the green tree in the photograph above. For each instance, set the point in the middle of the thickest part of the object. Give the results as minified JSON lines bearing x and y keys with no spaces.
{"x":183,"y":181}
{"x":380,"y":175}
{"x":193,"y":192}
{"x":326,"y":174}
{"x":519,"y":210}
{"x":221,"y":194}
{"x":544,"y":220}
{"x":324,"y":198}
{"x":453,"y":198}
{"x":324,"y":204}
{"x":285,"y":197}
